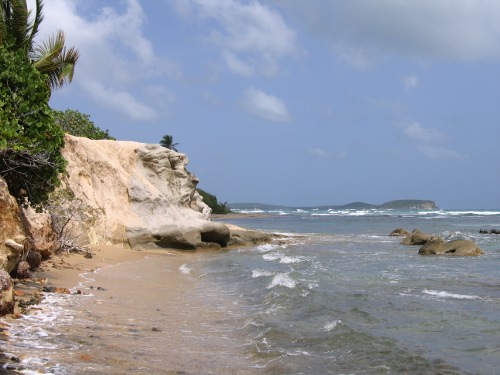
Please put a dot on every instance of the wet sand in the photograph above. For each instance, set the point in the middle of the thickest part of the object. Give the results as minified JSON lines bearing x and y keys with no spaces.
{"x":141,"y":302}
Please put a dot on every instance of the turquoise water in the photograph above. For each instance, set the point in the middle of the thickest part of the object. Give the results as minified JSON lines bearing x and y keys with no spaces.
{"x":339,"y":296}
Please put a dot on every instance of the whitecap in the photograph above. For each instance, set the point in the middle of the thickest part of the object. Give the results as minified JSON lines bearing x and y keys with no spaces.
{"x":291,"y":259}
{"x":185,"y":269}
{"x":331,"y":325}
{"x":282,"y":279}
{"x":261,"y":273}
{"x":267,"y":247}
{"x":272,"y":256}
{"x":443,"y":294}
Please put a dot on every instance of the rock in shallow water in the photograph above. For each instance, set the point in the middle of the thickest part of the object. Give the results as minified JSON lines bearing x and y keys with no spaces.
{"x":451,"y":248}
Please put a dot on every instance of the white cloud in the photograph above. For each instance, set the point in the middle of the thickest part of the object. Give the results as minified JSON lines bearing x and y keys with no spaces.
{"x":322,"y":153}
{"x":266,"y":106}
{"x":429,"y":142}
{"x":237,"y":66}
{"x":253,"y":37}
{"x":115,"y":56}
{"x":120,"y":100}
{"x":319,"y":152}
{"x":417,"y":132}
{"x":433,"y":152}
{"x":365,"y":31}
{"x":410,"y":82}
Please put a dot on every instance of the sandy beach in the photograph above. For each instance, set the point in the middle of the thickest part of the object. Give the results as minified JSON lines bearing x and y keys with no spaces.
{"x":120,"y":295}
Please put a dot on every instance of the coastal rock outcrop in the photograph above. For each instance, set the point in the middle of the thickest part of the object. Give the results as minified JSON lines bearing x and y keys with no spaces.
{"x":38,"y":227}
{"x":453,"y":248}
{"x":145,"y":194}
{"x":11,"y":230}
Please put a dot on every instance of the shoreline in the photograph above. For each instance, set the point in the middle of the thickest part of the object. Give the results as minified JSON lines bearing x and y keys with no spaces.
{"x":63,"y":274}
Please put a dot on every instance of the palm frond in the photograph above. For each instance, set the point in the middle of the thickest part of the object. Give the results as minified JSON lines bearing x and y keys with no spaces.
{"x":37,"y":21}
{"x":54,"y":60}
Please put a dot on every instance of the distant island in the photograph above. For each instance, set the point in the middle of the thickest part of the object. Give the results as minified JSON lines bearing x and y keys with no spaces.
{"x":402,"y":204}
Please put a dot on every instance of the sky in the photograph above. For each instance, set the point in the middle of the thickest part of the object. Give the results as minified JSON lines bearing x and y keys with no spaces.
{"x":299,"y":103}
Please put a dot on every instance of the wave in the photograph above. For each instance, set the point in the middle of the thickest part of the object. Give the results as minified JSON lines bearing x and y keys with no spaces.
{"x":322,"y":212}
{"x":282,"y":279}
{"x":443,"y":294}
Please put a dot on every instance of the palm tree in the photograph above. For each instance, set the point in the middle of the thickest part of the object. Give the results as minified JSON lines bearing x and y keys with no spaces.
{"x":167,"y":142}
{"x":18,"y":31}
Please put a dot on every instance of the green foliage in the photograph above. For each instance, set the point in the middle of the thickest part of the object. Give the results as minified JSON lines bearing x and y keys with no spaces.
{"x":168,"y":142}
{"x":30,"y":141}
{"x":17,"y":33}
{"x":79,"y":124}
{"x":212,"y":202}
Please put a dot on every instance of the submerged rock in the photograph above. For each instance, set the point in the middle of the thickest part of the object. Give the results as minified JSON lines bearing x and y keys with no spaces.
{"x":451,"y":248}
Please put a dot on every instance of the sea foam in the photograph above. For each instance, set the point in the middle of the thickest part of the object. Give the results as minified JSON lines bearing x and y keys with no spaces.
{"x":185,"y":269}
{"x":443,"y":294}
{"x":282,"y":279}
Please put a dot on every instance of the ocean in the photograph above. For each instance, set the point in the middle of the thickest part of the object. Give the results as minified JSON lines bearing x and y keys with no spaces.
{"x":336,"y":295}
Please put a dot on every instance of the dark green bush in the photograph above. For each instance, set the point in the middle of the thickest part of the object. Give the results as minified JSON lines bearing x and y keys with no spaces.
{"x":30,"y":141}
{"x":212,"y":202}
{"x":79,"y":124}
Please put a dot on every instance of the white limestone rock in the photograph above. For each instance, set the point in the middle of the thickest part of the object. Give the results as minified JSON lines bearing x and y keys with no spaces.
{"x":146,"y":195}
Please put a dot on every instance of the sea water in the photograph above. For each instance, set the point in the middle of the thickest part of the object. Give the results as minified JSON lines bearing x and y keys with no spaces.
{"x":335,"y":295}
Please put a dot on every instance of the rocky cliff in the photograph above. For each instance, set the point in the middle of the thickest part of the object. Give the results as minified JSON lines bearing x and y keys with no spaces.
{"x":146,"y":197}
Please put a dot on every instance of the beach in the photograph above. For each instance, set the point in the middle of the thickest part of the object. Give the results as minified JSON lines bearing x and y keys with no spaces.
{"x":95,"y":311}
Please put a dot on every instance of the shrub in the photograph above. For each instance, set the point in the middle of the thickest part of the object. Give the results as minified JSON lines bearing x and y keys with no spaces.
{"x":30,"y":141}
{"x":212,"y":202}
{"x":79,"y":124}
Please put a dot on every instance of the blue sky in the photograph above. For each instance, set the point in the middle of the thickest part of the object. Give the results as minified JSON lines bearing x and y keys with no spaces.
{"x":299,"y":102}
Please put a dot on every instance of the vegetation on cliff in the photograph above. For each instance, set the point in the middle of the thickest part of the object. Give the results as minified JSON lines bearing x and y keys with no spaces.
{"x":79,"y":124}
{"x":30,"y":140}
{"x":211,"y":201}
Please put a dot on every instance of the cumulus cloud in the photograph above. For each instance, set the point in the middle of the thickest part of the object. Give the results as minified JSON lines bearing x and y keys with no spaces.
{"x":120,"y":100}
{"x":253,"y":37}
{"x":363,"y":32}
{"x":265,"y":106}
{"x":114,"y":53}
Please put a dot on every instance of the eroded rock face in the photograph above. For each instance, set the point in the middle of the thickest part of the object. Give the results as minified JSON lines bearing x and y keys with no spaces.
{"x":451,"y":248}
{"x":11,"y":230}
{"x":146,"y":195}
{"x":38,"y":226}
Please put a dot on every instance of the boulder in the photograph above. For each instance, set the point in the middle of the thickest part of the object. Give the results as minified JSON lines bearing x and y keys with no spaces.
{"x":451,"y":248}
{"x":241,"y":236}
{"x":399,"y":232}
{"x":6,"y":294}
{"x":38,"y":226}
{"x":145,"y":194}
{"x":417,"y":238}
{"x":11,"y":230}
